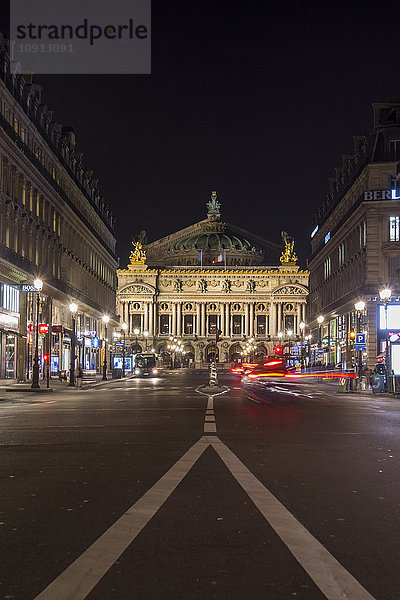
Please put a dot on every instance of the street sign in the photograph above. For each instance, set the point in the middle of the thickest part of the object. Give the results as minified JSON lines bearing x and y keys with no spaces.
{"x":360,"y":338}
{"x":360,"y":347}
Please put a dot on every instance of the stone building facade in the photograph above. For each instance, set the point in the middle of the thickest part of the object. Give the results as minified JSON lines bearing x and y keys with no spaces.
{"x":250,"y":303}
{"x":54,"y":225}
{"x":356,"y":245}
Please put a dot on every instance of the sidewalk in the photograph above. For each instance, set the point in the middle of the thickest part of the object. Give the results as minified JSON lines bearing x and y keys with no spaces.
{"x":332,"y":387}
{"x":55,"y":385}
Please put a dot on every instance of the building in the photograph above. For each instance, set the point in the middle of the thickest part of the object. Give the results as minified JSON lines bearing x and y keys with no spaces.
{"x":54,"y":226}
{"x":211,"y":279}
{"x":356,"y":248}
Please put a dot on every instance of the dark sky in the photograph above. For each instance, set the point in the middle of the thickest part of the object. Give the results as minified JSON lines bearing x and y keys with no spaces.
{"x":255,"y":99}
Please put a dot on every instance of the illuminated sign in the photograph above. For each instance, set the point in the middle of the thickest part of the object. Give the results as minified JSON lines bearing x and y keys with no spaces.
{"x":314,"y":231}
{"x":95,"y":342}
{"x":327,"y":237}
{"x":43,"y":328}
{"x":9,"y":320}
{"x":382,"y":195}
{"x":392,"y":315}
{"x":28,"y":288}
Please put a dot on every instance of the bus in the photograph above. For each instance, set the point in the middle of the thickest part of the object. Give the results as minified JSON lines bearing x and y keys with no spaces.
{"x":145,"y":364}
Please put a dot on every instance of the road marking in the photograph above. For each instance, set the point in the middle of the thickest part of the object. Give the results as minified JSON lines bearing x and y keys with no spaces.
{"x":210,"y":403}
{"x":210,"y":418}
{"x":76,"y":582}
{"x":327,"y":573}
{"x":210,"y":427}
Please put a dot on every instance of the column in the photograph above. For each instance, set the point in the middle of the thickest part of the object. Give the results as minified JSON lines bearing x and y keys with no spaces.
{"x":222,"y":319}
{"x":130,"y":323}
{"x":203,"y":319}
{"x":198,"y":317}
{"x":279,"y":324}
{"x":299,"y":317}
{"x":246,"y":320}
{"x":151,"y":331}
{"x":272,"y":321}
{"x":174,"y":318}
{"x":227,"y":328}
{"x":155,"y":318}
{"x":251,"y":329}
{"x":146,"y":317}
{"x":179,"y":320}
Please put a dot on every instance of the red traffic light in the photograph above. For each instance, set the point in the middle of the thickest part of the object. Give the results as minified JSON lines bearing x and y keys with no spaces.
{"x":45,"y":357}
{"x":278,"y":350}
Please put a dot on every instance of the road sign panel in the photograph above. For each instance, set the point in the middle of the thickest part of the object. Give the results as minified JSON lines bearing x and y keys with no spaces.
{"x":360,"y":347}
{"x":360,"y":338}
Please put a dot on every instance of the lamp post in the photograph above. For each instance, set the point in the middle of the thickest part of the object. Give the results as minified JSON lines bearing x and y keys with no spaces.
{"x":124,"y":328}
{"x":105,"y":319}
{"x":302,"y":327}
{"x":385,"y":296}
{"x":146,"y":335}
{"x":38,"y":283}
{"x":289,"y":334}
{"x":136,"y":332}
{"x":73,"y":308}
{"x":320,"y":320}
{"x":359,"y":306}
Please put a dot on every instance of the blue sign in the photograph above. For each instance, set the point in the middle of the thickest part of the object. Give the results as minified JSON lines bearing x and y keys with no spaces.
{"x":95,"y":342}
{"x":360,"y":347}
{"x":360,"y":338}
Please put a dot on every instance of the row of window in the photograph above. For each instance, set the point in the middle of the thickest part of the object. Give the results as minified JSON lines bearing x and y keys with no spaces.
{"x":341,"y":249}
{"x":9,"y":297}
{"x":237,"y":324}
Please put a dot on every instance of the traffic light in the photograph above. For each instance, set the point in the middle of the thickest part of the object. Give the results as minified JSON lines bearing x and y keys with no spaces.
{"x":352,"y":335}
{"x":45,"y":358}
{"x":219,"y":335}
{"x":278,"y":350}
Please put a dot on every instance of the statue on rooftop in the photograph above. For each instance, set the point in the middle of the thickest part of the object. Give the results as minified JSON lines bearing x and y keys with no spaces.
{"x":213,"y":207}
{"x":288,"y":256}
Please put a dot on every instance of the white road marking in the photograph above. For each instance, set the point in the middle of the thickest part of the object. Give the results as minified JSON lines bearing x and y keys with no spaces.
{"x":327,"y":573}
{"x":210,"y":418}
{"x":76,"y":582}
{"x":210,"y":427}
{"x":210,"y":403}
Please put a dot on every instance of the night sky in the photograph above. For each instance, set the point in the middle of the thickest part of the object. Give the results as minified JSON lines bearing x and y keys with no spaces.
{"x":255,"y":99}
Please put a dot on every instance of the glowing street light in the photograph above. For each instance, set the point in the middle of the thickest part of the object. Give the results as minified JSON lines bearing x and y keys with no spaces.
{"x":38,"y":283}
{"x":105,"y":319}
{"x":73,"y":310}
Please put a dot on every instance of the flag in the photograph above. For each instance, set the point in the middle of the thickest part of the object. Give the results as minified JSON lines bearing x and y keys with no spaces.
{"x":200,"y":256}
{"x":219,"y":258}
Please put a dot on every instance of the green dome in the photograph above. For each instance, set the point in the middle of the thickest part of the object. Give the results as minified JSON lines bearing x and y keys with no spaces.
{"x":211,"y":241}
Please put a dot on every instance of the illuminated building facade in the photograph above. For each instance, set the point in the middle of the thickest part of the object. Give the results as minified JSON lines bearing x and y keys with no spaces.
{"x":356,"y":247}
{"x":54,"y":225}
{"x":210,"y":277}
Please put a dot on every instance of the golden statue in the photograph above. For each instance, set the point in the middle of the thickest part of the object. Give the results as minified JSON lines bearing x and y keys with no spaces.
{"x":138,"y":255}
{"x":288,"y":256}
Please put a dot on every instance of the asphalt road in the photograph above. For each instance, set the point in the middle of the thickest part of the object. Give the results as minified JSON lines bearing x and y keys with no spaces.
{"x":147,"y":489}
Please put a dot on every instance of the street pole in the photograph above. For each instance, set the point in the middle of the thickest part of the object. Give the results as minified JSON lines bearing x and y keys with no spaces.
{"x":105,"y":319}
{"x":35,"y":369}
{"x":123,"y":357}
{"x":72,"y":360}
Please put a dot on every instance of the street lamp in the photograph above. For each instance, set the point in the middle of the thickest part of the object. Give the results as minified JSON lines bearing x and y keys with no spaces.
{"x":73,"y":308}
{"x":385,"y":296}
{"x":136,"y":332}
{"x":38,"y":283}
{"x":124,"y":327}
{"x":106,"y":320}
{"x":289,"y":334}
{"x":359,"y":306}
{"x":320,"y":320}
{"x":146,"y":335}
